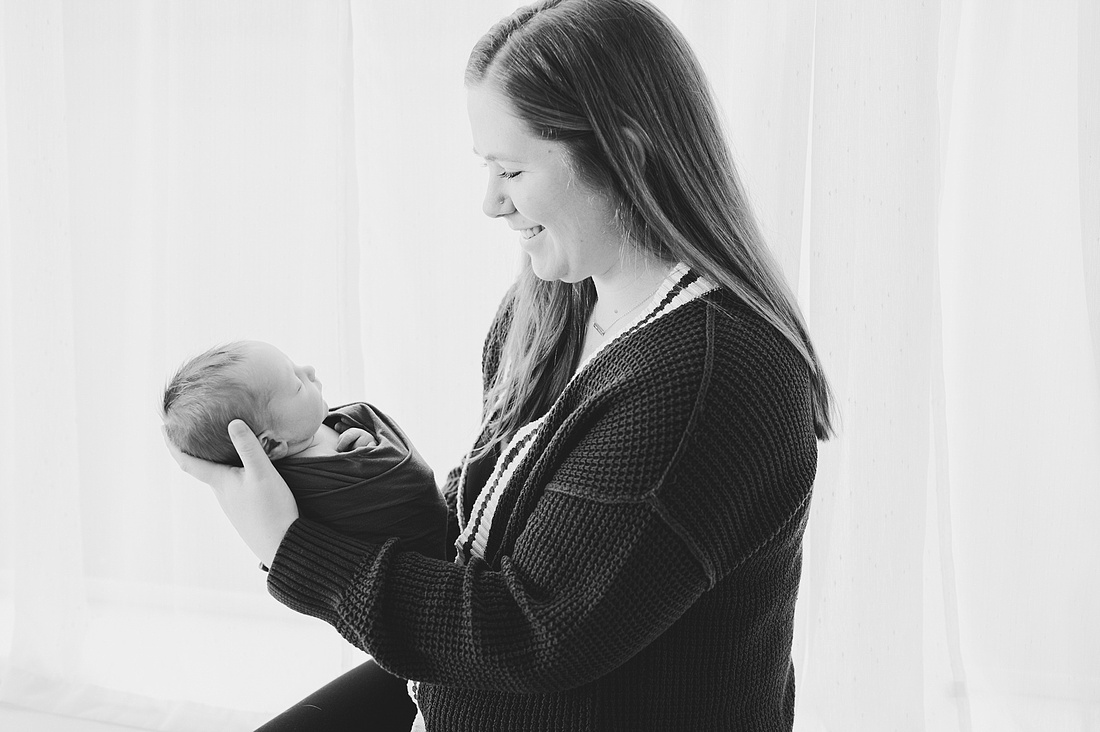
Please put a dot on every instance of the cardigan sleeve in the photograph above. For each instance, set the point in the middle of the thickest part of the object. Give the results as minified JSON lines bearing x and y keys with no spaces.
{"x":522,"y":627}
{"x":606,"y":561}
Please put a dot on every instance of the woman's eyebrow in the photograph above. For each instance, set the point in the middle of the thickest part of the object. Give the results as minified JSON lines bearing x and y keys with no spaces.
{"x":492,"y":158}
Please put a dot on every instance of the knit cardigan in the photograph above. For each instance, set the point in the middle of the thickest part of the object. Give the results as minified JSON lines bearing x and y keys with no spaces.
{"x":643,"y":564}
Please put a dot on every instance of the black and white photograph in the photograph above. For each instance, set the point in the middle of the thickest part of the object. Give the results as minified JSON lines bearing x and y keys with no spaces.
{"x":553,"y":366}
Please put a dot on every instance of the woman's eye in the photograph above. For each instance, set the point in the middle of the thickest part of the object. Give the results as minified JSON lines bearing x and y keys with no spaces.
{"x":503,"y":173}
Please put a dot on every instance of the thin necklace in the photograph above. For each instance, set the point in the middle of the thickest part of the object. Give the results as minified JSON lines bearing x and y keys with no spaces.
{"x":603,"y":331}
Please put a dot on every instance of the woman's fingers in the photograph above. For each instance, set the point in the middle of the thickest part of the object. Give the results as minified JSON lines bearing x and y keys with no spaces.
{"x":203,"y":470}
{"x":178,"y":455}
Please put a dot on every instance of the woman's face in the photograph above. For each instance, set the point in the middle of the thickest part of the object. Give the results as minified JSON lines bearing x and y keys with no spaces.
{"x":566,"y":227}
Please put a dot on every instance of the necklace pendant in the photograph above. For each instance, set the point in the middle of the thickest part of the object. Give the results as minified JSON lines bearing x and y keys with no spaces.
{"x":599,"y":330}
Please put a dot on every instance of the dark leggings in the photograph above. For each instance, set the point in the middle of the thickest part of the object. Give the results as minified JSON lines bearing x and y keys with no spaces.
{"x":365,"y":699}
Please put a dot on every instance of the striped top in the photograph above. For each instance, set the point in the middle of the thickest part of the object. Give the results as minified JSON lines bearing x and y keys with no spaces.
{"x":679,"y":287}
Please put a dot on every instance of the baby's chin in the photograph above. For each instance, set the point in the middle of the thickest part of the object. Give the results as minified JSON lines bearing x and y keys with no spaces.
{"x":304,"y":440}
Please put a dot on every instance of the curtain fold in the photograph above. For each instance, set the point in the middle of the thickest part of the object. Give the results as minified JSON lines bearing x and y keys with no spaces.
{"x":1088,"y":160}
{"x":178,"y":175}
{"x":873,"y":218}
{"x":174,"y":175}
{"x":49,"y":621}
{"x":1020,"y":379}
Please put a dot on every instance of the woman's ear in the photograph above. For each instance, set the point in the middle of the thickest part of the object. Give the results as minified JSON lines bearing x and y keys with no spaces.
{"x":274,"y":447}
{"x":636,"y":142}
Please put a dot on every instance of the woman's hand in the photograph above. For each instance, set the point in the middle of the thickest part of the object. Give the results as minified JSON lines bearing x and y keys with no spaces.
{"x":255,"y":498}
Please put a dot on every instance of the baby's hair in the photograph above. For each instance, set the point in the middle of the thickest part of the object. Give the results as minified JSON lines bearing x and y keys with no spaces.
{"x":204,"y":396}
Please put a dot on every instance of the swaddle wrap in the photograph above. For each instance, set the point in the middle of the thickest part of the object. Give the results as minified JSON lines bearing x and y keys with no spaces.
{"x":371,"y":493}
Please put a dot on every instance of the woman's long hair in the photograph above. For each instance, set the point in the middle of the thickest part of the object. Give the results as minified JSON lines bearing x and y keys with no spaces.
{"x":617,"y":83}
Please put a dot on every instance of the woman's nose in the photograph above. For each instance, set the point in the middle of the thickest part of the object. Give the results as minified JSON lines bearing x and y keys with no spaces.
{"x":495,"y":203}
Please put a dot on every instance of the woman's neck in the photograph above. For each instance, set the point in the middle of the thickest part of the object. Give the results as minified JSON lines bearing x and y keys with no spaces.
{"x":621,"y":294}
{"x":627,"y":286}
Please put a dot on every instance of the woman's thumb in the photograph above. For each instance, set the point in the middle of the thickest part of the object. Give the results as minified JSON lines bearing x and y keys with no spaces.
{"x":248,"y":447}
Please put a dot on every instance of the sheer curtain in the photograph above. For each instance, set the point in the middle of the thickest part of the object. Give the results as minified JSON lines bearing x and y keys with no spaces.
{"x":173,"y":175}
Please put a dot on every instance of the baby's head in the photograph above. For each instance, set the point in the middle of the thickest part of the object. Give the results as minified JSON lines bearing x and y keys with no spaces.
{"x":280,"y":401}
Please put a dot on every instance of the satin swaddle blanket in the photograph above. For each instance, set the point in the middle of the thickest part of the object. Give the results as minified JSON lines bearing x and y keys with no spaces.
{"x":371,"y":493}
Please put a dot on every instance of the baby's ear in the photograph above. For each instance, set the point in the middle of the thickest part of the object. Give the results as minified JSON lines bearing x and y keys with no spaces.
{"x":274,"y":448}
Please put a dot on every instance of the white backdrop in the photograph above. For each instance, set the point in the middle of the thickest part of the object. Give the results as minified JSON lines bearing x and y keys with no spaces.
{"x":176,"y":174}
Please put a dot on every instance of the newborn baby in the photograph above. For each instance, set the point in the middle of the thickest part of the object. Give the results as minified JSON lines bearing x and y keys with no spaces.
{"x":350,"y":468}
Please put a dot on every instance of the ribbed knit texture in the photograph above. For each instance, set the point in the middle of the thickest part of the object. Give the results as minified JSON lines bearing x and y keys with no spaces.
{"x":644,"y":560}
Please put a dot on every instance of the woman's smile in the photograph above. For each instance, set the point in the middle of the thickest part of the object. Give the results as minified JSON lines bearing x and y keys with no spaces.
{"x":530,"y":233}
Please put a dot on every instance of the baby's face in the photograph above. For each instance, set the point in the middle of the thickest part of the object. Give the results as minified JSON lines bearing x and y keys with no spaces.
{"x":296,"y":405}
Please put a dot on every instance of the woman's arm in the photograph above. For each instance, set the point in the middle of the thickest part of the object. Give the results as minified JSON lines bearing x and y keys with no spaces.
{"x":555,"y":615}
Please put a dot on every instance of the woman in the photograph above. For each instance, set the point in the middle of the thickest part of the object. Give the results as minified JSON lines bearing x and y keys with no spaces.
{"x":629,"y":522}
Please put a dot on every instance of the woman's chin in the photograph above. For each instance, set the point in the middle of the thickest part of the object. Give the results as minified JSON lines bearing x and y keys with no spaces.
{"x":546,"y":268}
